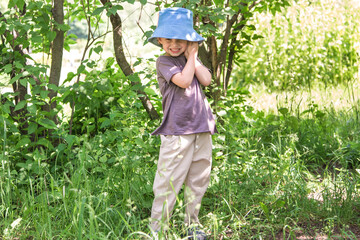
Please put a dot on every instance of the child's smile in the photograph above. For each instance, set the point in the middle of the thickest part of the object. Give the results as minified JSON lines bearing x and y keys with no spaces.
{"x":173,"y":47}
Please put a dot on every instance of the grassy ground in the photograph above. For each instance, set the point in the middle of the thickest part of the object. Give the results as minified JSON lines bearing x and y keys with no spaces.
{"x":276,"y":175}
{"x":309,"y":182}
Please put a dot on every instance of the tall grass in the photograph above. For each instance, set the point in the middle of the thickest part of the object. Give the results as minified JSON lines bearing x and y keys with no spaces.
{"x":295,"y":169}
{"x":91,"y":197}
{"x":264,"y":183}
{"x":310,"y":44}
{"x":261,"y":188}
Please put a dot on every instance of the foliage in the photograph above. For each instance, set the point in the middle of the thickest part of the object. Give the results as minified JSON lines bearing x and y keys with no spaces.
{"x":303,"y":48}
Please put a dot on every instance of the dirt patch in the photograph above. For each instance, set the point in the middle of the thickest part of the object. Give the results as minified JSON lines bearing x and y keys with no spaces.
{"x":315,"y":232}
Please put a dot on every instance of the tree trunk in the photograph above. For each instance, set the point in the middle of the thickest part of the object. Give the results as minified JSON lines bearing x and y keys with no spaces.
{"x":56,"y":51}
{"x":123,"y":63}
{"x":19,"y":89}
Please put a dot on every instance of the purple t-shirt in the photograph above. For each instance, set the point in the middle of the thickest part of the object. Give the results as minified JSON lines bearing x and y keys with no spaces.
{"x":186,"y":110}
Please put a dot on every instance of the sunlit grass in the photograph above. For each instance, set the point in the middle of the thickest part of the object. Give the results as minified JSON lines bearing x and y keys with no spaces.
{"x":309,"y":43}
{"x":339,"y":98}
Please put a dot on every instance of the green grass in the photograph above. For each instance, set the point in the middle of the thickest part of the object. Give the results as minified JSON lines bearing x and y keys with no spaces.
{"x":268,"y":182}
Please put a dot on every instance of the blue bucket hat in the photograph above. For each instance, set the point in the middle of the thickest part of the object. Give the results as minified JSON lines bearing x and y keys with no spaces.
{"x":175,"y":23}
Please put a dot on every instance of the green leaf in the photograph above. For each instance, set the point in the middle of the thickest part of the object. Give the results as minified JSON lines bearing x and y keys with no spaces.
{"x":72,"y":37}
{"x":61,"y":147}
{"x":6,"y":107}
{"x":91,"y":64}
{"x":105,"y":123}
{"x":150,"y":91}
{"x":219,"y":3}
{"x":103,"y":159}
{"x":63,"y":27}
{"x":134,"y":78}
{"x":319,"y":114}
{"x":109,"y":62}
{"x":70,"y":76}
{"x":47,"y":123}
{"x":32,"y":127}
{"x":24,"y":141}
{"x":283,"y":111}
{"x":81,"y":69}
{"x":53,"y":87}
{"x":14,"y":79}
{"x":18,"y":65}
{"x":111,"y":11}
{"x":140,"y":142}
{"x":70,"y":139}
{"x":118,"y":7}
{"x":44,"y":94}
{"x":256,"y":36}
{"x":32,"y":109}
{"x":98,"y":11}
{"x":12,"y":3}
{"x":279,"y":204}
{"x":20,"y":105}
{"x":23,"y":82}
{"x":293,"y":122}
{"x":286,"y":3}
{"x":264,"y":208}
{"x":51,"y":36}
{"x":45,"y":143}
{"x":36,"y":39}
{"x":143,"y":2}
{"x":209,"y":27}
{"x":7,"y":68}
{"x":98,"y":49}
{"x":31,"y":81}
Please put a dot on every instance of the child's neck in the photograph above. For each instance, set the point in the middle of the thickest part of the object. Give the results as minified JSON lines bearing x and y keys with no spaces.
{"x":168,"y":55}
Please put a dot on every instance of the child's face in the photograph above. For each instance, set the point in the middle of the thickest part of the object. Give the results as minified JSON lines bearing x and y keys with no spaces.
{"x":173,"y":47}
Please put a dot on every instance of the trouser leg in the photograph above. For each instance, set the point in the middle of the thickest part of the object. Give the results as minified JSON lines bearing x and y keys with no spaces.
{"x":198,"y":176}
{"x":175,"y":159}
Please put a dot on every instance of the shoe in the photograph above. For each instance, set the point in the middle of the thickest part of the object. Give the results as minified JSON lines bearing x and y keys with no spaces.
{"x":155,"y":235}
{"x":194,"y":233}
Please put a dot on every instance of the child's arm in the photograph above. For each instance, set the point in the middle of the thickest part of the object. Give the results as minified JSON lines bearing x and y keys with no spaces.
{"x":193,"y":66}
{"x":184,"y":79}
{"x":202,"y":74}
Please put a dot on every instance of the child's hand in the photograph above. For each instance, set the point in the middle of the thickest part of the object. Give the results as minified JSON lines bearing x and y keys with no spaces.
{"x":192,"y":49}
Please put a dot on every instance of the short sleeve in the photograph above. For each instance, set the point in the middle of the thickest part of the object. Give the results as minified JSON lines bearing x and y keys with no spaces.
{"x":167,"y":68}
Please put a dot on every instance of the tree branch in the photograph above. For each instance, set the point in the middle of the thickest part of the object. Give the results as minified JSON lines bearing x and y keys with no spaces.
{"x":90,"y":41}
{"x":123,"y":63}
{"x":232,"y":51}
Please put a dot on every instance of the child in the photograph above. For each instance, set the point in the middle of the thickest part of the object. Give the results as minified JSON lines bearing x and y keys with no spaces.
{"x":188,"y":123}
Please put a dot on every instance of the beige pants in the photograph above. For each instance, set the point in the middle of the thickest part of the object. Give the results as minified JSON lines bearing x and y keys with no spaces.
{"x":183,"y":159}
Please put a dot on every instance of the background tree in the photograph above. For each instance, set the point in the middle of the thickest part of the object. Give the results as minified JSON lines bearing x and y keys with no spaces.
{"x":121,"y":59}
{"x":57,"y":47}
{"x":224,"y":24}
{"x":25,"y":26}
